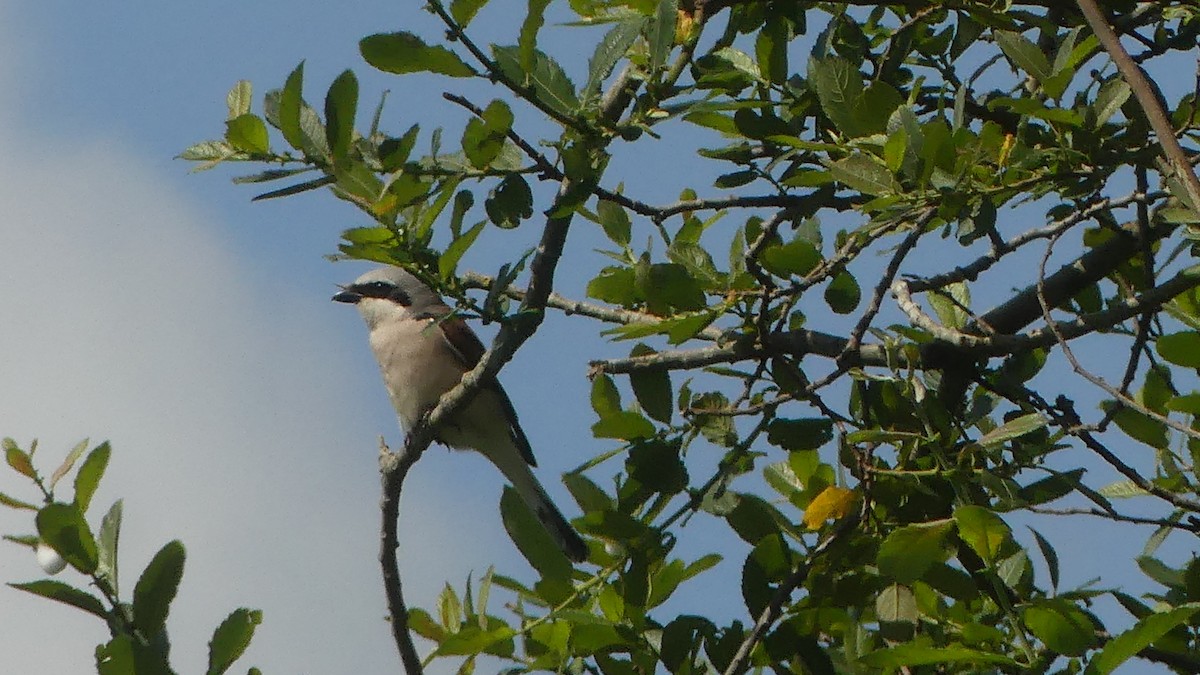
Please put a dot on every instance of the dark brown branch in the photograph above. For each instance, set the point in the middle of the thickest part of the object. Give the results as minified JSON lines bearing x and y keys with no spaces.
{"x":394,"y":468}
{"x":512,"y":335}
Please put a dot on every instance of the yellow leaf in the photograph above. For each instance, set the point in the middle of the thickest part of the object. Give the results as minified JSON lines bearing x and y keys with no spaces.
{"x":833,"y":502}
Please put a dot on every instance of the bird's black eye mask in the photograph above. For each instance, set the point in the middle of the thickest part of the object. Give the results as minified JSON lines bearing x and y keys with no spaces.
{"x":382,"y":290}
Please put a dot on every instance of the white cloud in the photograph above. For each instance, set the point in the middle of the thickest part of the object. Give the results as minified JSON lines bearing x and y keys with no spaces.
{"x":244,"y":423}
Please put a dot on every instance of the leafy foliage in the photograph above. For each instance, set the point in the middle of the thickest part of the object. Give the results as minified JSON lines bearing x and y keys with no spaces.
{"x":139,"y":641}
{"x":963,"y":145}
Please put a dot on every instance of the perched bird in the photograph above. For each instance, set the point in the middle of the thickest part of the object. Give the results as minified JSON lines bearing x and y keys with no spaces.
{"x":423,"y":352}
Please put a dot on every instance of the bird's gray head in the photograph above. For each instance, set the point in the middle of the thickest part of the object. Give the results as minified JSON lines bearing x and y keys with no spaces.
{"x":388,"y":292}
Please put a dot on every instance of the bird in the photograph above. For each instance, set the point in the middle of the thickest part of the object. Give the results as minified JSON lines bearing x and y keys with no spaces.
{"x":423,"y":350}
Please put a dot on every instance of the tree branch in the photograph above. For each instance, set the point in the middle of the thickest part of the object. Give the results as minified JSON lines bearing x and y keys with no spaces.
{"x":1146,"y":98}
{"x":513,"y":333}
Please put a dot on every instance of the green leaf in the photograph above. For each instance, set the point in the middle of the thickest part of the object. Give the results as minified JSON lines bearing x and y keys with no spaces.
{"x":615,"y":221}
{"x":1013,"y":429}
{"x":660,"y":33}
{"x":230,"y":639}
{"x":240,"y":98}
{"x":464,"y":10}
{"x":527,"y":40}
{"x":800,"y":434}
{"x":624,"y":425}
{"x":405,"y":52}
{"x":838,"y":85}
{"x":908,"y":552}
{"x":66,"y":594}
{"x":341,"y":107}
{"x":843,"y":293}
{"x":912,"y":654}
{"x":868,"y":176}
{"x":617,"y":285}
{"x":1023,"y":54}
{"x":116,"y":657}
{"x":156,"y":588}
{"x":548,"y":80}
{"x":652,"y":387}
{"x":248,"y":133}
{"x":1123,"y":489}
{"x":1160,"y":571}
{"x":62,"y":527}
{"x":208,"y":151}
{"x":797,"y":257}
{"x":484,"y":136}
{"x":1143,"y":634}
{"x":668,"y":288}
{"x":290,"y":103}
{"x":609,"y":51}
{"x":448,"y":261}
{"x":394,"y":152}
{"x":1110,"y":98}
{"x":107,"y":544}
{"x":1062,"y":627}
{"x":1138,"y":426}
{"x":1182,"y":349}
{"x":984,"y":531}
{"x":771,"y":48}
{"x":531,"y":538}
{"x":1051,"y":487}
{"x":656,"y":465}
{"x":952,"y":304}
{"x":606,"y":400}
{"x":510,"y":202}
{"x":587,"y":494}
{"x":1050,"y":555}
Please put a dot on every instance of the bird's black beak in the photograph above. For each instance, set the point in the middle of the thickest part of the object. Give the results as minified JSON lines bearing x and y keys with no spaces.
{"x":347,"y":296}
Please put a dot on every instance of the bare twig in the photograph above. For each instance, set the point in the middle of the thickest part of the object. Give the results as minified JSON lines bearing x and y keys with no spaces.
{"x":394,"y":468}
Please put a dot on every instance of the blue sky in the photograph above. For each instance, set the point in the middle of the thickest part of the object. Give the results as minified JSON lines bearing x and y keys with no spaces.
{"x":163,"y":311}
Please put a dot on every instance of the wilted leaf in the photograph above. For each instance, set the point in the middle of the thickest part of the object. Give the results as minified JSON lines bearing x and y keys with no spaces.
{"x":833,"y":502}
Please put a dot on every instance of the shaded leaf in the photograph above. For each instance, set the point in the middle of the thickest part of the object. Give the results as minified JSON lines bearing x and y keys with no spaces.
{"x":66,"y":594}
{"x":865,"y":175}
{"x":230,"y":639}
{"x":531,"y":538}
{"x":62,"y":527}
{"x":910,"y":551}
{"x":156,"y":588}
{"x":984,"y":531}
{"x":1145,"y":632}
{"x":341,"y":107}
{"x":510,"y":202}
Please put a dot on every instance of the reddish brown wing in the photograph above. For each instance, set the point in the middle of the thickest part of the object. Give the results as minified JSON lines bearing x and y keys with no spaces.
{"x":470,"y":350}
{"x":463,"y":341}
